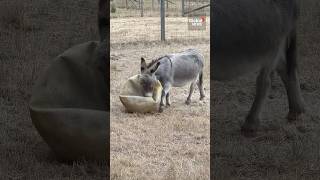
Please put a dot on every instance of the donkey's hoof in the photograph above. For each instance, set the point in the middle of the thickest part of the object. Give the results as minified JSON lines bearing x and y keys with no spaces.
{"x":294,"y":116}
{"x":249,"y":132}
{"x":202,"y":98}
{"x":249,"y":129}
{"x":161,"y":108}
{"x":168,"y":104}
{"x":188,"y":102}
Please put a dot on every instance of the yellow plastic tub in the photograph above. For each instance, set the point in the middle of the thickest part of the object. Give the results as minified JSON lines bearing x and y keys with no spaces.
{"x":132,"y":99}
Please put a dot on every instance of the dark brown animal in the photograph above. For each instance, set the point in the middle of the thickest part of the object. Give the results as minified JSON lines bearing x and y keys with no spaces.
{"x":257,"y":35}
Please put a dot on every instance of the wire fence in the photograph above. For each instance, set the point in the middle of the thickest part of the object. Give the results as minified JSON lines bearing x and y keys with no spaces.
{"x":139,"y":20}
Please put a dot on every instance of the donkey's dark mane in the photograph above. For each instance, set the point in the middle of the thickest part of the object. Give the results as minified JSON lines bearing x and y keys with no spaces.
{"x":154,"y":61}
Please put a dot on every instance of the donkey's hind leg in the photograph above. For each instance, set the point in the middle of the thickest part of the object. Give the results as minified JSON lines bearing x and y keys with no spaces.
{"x":192,"y":86}
{"x":287,"y":69}
{"x":253,"y":119}
{"x":291,"y":82}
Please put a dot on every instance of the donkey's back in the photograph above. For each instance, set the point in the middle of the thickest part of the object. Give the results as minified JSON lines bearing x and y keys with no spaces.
{"x":249,"y":34}
{"x":181,"y":68}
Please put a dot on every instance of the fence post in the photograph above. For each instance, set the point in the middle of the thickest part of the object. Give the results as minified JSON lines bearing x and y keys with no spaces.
{"x":141,"y":7}
{"x":162,"y":18}
{"x":182,"y":8}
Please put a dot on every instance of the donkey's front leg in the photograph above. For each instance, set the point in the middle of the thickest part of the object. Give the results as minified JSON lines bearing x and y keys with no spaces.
{"x":168,"y":101}
{"x":164,"y":94}
{"x":263,"y":84}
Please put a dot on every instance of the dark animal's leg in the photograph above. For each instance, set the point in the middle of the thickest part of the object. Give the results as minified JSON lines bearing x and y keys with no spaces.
{"x":296,"y":104}
{"x":103,"y":20}
{"x":168,"y":102}
{"x":263,"y":83}
{"x":287,"y":69}
{"x":162,"y":101}
{"x":200,"y":86}
{"x":164,"y":93}
{"x":192,"y":86}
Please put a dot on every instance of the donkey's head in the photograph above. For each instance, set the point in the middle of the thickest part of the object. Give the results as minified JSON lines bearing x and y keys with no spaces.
{"x":148,"y":78}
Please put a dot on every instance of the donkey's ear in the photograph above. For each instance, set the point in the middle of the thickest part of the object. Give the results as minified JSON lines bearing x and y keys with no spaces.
{"x":154,"y":69}
{"x":143,"y":64}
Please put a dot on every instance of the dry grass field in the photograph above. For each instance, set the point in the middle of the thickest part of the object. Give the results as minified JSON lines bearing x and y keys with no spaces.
{"x":169,"y":145}
{"x":280,"y":150}
{"x":32,"y":33}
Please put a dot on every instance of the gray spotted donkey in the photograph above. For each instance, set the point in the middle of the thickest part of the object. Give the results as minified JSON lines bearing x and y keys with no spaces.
{"x":174,"y":70}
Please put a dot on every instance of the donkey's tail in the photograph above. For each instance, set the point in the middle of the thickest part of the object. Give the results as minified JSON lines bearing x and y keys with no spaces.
{"x":103,"y":23}
{"x":291,"y":53}
{"x":201,"y":77}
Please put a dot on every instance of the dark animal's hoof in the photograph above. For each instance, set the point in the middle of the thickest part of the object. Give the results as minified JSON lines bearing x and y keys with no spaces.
{"x":188,"y":102}
{"x":294,"y":116}
{"x":249,"y":133}
{"x":202,"y":98}
{"x":161,"y":109}
{"x":168,"y":104}
{"x":249,"y":129}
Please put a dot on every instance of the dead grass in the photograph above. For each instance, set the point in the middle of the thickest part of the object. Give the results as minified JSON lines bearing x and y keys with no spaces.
{"x":13,"y":14}
{"x":32,"y":33}
{"x":169,"y":145}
